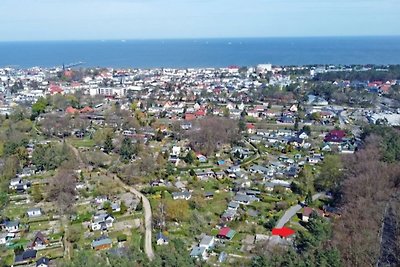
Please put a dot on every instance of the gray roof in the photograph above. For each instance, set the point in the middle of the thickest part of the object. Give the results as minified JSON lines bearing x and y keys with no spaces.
{"x":197,"y":251}
{"x":233,"y":204}
{"x":34,"y":209}
{"x":206,"y":240}
{"x":11,"y":223}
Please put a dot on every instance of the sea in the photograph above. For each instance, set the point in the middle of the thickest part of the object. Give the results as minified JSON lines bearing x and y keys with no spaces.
{"x":200,"y":53}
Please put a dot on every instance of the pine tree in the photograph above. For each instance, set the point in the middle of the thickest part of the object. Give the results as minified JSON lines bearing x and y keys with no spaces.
{"x":108,"y":144}
{"x":308,"y":199}
{"x":127,"y":150}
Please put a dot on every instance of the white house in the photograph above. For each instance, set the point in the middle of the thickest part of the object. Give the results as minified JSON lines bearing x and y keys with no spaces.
{"x":199,"y":252}
{"x":207,"y":242}
{"x":181,"y":195}
{"x":101,"y":199}
{"x":161,"y":239}
{"x":3,"y":238}
{"x":15,"y":182}
{"x":12,"y":226}
{"x":34,"y":212}
{"x":176,"y":150}
{"x":102,"y":222}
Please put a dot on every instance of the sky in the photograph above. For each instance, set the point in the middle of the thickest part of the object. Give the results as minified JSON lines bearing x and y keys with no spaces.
{"x":28,"y":20}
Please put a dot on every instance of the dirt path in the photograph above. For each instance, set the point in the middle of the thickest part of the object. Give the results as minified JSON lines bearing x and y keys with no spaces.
{"x":148,"y":247}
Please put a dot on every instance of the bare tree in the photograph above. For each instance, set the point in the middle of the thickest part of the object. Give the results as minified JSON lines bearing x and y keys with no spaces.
{"x":62,"y":190}
{"x":211,"y":133}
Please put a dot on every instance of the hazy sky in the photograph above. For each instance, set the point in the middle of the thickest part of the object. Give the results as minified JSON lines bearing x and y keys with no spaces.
{"x":143,"y":19}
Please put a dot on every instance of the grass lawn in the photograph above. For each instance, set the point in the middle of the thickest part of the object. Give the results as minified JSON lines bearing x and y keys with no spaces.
{"x":51,"y":253}
{"x":136,"y":239}
{"x":39,"y":226}
{"x":218,"y":204}
{"x":85,"y":142}
{"x":121,"y":218}
{"x":15,"y":211}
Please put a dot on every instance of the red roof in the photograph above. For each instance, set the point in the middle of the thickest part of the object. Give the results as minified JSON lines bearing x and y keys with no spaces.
{"x":86,"y":110}
{"x":250,"y":126}
{"x":308,"y":211}
{"x":68,"y":73}
{"x":71,"y":110}
{"x":224,"y":231}
{"x":200,"y":112}
{"x":338,"y":133}
{"x":217,"y":90}
{"x":385,"y":88}
{"x":190,"y":116}
{"x":55,"y":89}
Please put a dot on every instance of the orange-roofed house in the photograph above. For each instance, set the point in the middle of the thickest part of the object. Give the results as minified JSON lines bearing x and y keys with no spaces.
{"x":55,"y":89}
{"x":71,"y":110}
{"x":201,"y":112}
{"x":190,"y":116}
{"x":87,"y":109}
{"x":251,"y":128}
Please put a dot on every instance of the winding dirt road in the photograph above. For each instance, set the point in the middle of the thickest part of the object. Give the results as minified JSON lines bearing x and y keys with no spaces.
{"x":148,"y":247}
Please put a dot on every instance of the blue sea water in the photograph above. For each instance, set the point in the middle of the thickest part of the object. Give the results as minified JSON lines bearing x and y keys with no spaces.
{"x":203,"y":52}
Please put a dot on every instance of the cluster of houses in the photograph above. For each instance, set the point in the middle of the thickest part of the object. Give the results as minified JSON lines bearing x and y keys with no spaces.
{"x":207,"y":243}
{"x":11,"y":230}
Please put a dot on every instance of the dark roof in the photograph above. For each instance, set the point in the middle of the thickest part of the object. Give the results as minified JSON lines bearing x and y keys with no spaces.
{"x":26,"y":255}
{"x":38,"y":236}
{"x":161,"y":236}
{"x":42,"y":260}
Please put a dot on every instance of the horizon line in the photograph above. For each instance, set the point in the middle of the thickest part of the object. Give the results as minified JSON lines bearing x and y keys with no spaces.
{"x":195,"y":38}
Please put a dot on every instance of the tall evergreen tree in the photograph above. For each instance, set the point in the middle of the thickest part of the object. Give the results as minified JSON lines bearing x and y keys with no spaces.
{"x":108,"y":144}
{"x":127,"y":149}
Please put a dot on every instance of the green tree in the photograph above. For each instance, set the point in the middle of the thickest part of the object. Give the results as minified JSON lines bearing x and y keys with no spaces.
{"x":307,"y":129}
{"x":308,"y":199}
{"x":330,"y":174}
{"x":127,"y":150}
{"x":37,"y":194}
{"x":108,"y":144}
{"x":242,"y":125}
{"x":190,"y":157}
{"x":39,"y":107}
{"x":226,"y":112}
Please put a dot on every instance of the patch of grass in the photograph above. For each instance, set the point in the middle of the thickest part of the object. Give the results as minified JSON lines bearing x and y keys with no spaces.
{"x":214,"y":232}
{"x":85,"y":142}
{"x":136,"y":239}
{"x":37,"y":226}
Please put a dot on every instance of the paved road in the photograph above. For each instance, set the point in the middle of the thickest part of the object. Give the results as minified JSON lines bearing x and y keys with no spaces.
{"x":148,"y":247}
{"x":293,"y":210}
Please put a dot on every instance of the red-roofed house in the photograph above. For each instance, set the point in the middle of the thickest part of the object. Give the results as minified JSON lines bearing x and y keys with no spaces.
{"x":308,"y":211}
{"x":55,"y":89}
{"x":335,"y":136}
{"x":201,"y":112}
{"x":87,"y":109}
{"x":385,"y":88}
{"x":71,"y":110}
{"x":68,"y":73}
{"x":251,"y":128}
{"x":190,"y":116}
{"x":226,"y":233}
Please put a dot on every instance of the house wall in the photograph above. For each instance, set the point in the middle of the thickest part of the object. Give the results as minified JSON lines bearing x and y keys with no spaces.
{"x":102,"y":247}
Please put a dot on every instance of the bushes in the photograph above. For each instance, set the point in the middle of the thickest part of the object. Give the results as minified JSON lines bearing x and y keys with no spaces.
{"x":121,"y":237}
